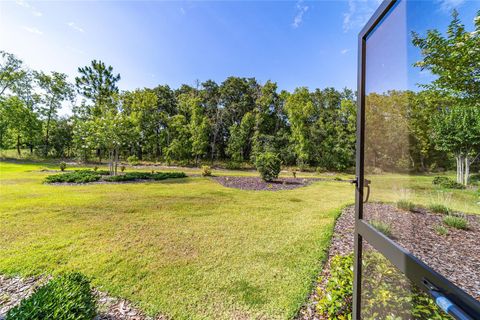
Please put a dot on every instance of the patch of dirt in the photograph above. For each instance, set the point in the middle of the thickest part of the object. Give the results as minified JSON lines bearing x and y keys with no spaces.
{"x":455,"y":255}
{"x":14,"y":289}
{"x":256,"y":183}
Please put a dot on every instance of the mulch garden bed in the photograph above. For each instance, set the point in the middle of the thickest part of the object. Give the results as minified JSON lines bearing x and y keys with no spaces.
{"x":256,"y":183}
{"x":455,"y":255}
{"x":14,"y":289}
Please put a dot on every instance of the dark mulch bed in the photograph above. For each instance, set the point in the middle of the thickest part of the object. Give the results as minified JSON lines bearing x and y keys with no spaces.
{"x":256,"y":183}
{"x":455,"y":255}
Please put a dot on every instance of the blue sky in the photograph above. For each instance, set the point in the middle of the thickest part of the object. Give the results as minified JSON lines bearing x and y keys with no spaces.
{"x":296,"y":43}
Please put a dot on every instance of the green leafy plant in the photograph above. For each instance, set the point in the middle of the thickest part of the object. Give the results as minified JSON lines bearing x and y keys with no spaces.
{"x":387,"y":294}
{"x":439,"y":208}
{"x":133,"y":160}
{"x":335,"y":301}
{"x":206,"y":171}
{"x":447,"y":183}
{"x":405,"y":205}
{"x":268,"y":164}
{"x":383,"y":227}
{"x":63,"y":166}
{"x":65,"y":297}
{"x":233,"y":165}
{"x":122,"y":168}
{"x":441,"y":230}
{"x":294,"y":174}
{"x":81,"y":176}
{"x":95,"y":168}
{"x":455,"y":222}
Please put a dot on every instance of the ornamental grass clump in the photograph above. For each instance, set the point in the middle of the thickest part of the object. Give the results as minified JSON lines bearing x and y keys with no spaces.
{"x":206,"y":171}
{"x":405,"y":205}
{"x":382,"y":227}
{"x":456,"y":222}
{"x":439,"y":208}
{"x":65,"y":297}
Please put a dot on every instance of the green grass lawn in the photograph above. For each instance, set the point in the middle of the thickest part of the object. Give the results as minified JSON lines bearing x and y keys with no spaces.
{"x":188,"y":248}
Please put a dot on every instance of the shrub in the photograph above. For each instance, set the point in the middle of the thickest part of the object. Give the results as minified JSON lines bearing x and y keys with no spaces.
{"x":268,"y":164}
{"x":455,"y":222}
{"x":63,"y":298}
{"x":206,"y":171}
{"x":122,"y":168}
{"x":63,"y":166}
{"x":441,"y":230}
{"x":383,"y":227}
{"x":80,"y":176}
{"x":294,"y":174}
{"x":232,"y":165}
{"x":474,"y":179}
{"x":131,"y":176}
{"x":405,"y":205}
{"x":439,"y":208}
{"x":133,"y":160}
{"x":447,"y":183}
{"x":95,"y":168}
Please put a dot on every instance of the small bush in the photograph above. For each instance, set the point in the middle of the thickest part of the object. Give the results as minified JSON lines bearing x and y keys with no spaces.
{"x":382,"y":227}
{"x":132,"y":176}
{"x":447,"y":183}
{"x":337,"y":179}
{"x":133,"y":160}
{"x":65,"y":297}
{"x":294,"y":174}
{"x":335,"y":301}
{"x":268,"y":164}
{"x":474,"y":179}
{"x":122,"y":168}
{"x":232,"y":165}
{"x":405,"y":205}
{"x":63,"y":166}
{"x":80,"y":176}
{"x":439,"y":208}
{"x":206,"y":171}
{"x":95,"y":168}
{"x":441,"y":230}
{"x":455,"y":222}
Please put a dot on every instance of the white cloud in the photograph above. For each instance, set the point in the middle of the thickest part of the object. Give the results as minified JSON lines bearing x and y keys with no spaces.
{"x":344,"y":51}
{"x":29,"y":7}
{"x":359,"y":11}
{"x":75,"y":27}
{"x":448,"y":5}
{"x":300,"y":11}
{"x":32,"y":30}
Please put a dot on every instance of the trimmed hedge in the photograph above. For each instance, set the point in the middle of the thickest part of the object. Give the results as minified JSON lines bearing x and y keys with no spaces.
{"x":80,"y":176}
{"x":131,"y":176}
{"x":65,"y":297}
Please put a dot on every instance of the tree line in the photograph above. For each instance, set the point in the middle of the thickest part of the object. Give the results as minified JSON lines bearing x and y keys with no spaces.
{"x":238,"y":119}
{"x":233,"y":121}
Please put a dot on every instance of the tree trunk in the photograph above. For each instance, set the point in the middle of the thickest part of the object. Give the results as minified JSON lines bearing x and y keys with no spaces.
{"x":467,"y":169}
{"x":116,"y":161}
{"x":18,"y":145}
{"x":47,"y":131}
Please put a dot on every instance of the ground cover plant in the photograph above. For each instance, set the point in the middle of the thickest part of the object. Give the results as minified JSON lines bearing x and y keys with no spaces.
{"x":83,"y":176}
{"x":455,"y":222}
{"x":65,"y":297}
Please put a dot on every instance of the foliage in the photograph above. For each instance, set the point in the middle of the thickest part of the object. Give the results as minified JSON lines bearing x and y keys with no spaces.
{"x":439,"y":208}
{"x":63,"y":166}
{"x":269,"y":165}
{"x":386,"y":292}
{"x":206,"y":171}
{"x":65,"y":297}
{"x":122,"y":168}
{"x":455,"y":222}
{"x":133,"y":160}
{"x":405,"y":205}
{"x":132,"y":176}
{"x":447,"y":183}
{"x":335,"y":301}
{"x":383,"y":227}
{"x":83,"y":176}
{"x":441,"y":230}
